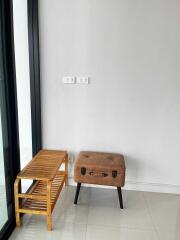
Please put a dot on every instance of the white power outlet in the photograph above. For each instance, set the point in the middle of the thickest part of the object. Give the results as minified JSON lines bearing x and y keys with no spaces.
{"x":82,"y":80}
{"x":69,"y":80}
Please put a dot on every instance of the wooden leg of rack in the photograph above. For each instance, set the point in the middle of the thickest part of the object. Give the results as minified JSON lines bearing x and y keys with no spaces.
{"x":49,"y":223}
{"x":16,"y":191}
{"x":49,"y":218}
{"x":66,"y":170}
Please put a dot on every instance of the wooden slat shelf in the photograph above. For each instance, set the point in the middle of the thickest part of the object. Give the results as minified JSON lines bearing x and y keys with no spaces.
{"x":48,"y":182}
{"x":40,"y":189}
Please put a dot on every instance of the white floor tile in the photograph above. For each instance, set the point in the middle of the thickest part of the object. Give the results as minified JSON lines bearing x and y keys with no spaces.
{"x":106,"y":233}
{"x":135,"y":213}
{"x":72,"y":214}
{"x":134,"y":200}
{"x":137,"y":234}
{"x":136,"y":218}
{"x":146,"y":216}
{"x":168,"y":235}
{"x":66,"y":211}
{"x":64,"y":231}
{"x":68,"y":231}
{"x":165,"y":211}
{"x":68,"y":198}
{"x":103,"y":197}
{"x":102,"y":232}
{"x":104,"y":216}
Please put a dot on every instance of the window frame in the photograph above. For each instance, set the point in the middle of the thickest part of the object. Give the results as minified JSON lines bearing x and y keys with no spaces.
{"x":7,"y":37}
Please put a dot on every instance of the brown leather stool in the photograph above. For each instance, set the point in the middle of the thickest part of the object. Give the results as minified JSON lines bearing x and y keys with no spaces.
{"x":100,"y":168}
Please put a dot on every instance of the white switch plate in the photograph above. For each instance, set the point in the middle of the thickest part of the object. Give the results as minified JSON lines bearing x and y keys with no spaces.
{"x":82,"y":80}
{"x":69,"y":80}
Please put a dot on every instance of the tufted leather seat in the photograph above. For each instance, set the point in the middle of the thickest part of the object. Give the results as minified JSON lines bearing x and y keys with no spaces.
{"x":100,"y":168}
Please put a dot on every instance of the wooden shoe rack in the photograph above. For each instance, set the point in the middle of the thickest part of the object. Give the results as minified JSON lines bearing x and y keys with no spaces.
{"x":47,"y":184}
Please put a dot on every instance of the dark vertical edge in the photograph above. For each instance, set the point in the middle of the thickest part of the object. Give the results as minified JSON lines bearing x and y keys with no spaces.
{"x":13,"y":92}
{"x":10,"y":85}
{"x":37,"y":75}
{"x":12,"y":155}
{"x":120,"y":197}
{"x":33,"y":35}
{"x":31,"y":67}
{"x":77,"y":192}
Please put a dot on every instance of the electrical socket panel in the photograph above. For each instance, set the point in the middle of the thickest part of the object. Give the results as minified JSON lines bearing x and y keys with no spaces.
{"x":82,"y":80}
{"x":69,"y":80}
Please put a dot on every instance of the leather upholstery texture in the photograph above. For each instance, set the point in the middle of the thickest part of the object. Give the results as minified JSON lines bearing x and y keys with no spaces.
{"x":100,"y":168}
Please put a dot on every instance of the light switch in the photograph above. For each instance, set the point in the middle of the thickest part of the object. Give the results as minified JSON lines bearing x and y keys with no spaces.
{"x":69,"y":80}
{"x":82,"y":80}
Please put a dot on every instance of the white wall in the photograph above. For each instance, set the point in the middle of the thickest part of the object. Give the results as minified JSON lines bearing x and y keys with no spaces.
{"x":131,"y":51}
{"x":22,"y":79}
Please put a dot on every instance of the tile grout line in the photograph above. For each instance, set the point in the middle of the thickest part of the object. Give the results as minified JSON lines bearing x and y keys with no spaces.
{"x":148,"y":208}
{"x":86,"y":232}
{"x":124,"y":227}
{"x":120,"y":226}
{"x":87,"y":215}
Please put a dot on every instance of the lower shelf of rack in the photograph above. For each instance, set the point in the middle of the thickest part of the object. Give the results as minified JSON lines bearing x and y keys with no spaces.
{"x":38,"y":205}
{"x":43,"y":193}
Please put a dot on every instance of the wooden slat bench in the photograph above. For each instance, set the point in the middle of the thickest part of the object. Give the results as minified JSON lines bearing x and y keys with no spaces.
{"x":47,"y":184}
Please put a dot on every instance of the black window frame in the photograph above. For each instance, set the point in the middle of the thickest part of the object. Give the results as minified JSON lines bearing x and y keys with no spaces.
{"x":34,"y":62}
{"x":11,"y":154}
{"x":6,"y":15}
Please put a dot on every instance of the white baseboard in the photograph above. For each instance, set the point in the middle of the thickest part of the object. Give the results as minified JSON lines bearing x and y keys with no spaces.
{"x":140,"y":186}
{"x":152,"y":187}
{"x":132,"y":185}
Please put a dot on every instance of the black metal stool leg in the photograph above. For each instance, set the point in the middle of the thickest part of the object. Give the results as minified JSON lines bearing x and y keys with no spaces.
{"x":120,"y":197}
{"x":77,"y":193}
